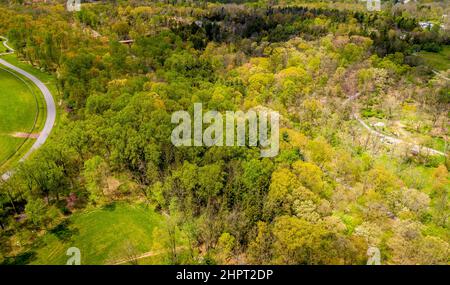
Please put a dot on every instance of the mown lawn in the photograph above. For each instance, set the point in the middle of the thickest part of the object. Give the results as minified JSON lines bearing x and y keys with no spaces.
{"x":18,"y":110}
{"x":49,"y":81}
{"x":103,"y":235}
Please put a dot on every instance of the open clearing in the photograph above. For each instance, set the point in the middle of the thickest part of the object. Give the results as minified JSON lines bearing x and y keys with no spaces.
{"x":103,"y":236}
{"x":437,"y":60}
{"x":27,"y":140}
{"x":18,"y":111}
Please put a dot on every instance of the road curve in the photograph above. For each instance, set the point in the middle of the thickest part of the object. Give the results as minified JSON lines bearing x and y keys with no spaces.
{"x":51,"y":110}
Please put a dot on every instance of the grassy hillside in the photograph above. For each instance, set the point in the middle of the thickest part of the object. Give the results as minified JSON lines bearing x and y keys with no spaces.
{"x":103,"y":235}
{"x":437,"y":60}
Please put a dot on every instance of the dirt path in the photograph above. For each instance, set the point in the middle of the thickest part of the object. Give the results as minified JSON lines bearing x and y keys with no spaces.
{"x":5,"y":44}
{"x":144,"y":255}
{"x":25,"y":135}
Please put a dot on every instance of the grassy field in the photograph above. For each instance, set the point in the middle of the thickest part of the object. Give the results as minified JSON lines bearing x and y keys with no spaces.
{"x":440,"y":60}
{"x":102,"y":235}
{"x":18,"y":111}
{"x":47,"y":78}
{"x":50,"y":82}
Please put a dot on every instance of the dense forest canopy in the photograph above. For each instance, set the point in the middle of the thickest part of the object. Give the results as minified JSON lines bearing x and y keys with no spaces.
{"x":333,"y":191}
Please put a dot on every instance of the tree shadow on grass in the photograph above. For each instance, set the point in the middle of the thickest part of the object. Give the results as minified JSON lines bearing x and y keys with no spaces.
{"x":110,"y":207}
{"x":21,"y":259}
{"x":63,"y":231}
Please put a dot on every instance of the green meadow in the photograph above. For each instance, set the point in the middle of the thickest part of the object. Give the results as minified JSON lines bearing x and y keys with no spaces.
{"x":12,"y":149}
{"x":18,"y":111}
{"x":103,"y":235}
{"x":437,"y":60}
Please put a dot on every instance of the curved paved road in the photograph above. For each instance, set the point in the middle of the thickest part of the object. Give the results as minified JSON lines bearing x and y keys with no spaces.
{"x":49,"y":101}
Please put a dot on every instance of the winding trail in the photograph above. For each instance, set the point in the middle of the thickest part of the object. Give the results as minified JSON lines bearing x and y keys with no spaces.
{"x":144,"y":255}
{"x":5,"y":44}
{"x":388,"y":139}
{"x":49,"y":101}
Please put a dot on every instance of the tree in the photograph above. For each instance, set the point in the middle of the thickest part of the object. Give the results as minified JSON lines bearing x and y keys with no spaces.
{"x":309,"y":175}
{"x":225,"y":247}
{"x":165,"y":239}
{"x":300,"y":242}
{"x":409,"y":246}
{"x":260,"y":249}
{"x":382,"y":180}
{"x":440,"y":193}
{"x":282,"y":183}
{"x":36,"y":211}
{"x":320,"y":152}
{"x":95,"y":173}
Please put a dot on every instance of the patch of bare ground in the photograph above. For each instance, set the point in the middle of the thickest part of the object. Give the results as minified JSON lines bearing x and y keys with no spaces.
{"x":112,"y":184}
{"x":25,"y":135}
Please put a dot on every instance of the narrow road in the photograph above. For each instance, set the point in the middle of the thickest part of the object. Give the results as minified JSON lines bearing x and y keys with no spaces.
{"x":49,"y":101}
{"x":391,"y":140}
